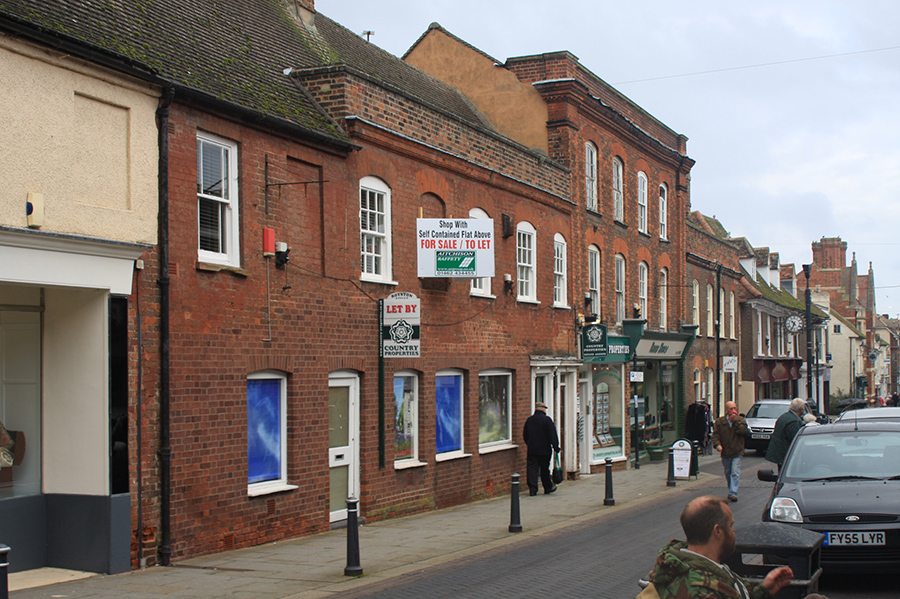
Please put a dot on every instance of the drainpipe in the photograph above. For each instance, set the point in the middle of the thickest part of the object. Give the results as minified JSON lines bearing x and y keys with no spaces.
{"x":164,"y":452}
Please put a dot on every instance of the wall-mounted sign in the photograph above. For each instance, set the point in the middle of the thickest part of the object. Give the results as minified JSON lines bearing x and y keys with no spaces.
{"x":636,"y":376}
{"x":455,"y":247}
{"x":594,"y":344}
{"x":400,"y":326}
{"x":729,"y":363}
{"x":657,"y":349}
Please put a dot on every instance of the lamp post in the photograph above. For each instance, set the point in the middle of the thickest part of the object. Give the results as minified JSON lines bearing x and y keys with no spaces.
{"x":809,"y":393}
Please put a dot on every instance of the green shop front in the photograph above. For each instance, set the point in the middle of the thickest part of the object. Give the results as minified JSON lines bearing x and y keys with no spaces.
{"x":605,"y":391}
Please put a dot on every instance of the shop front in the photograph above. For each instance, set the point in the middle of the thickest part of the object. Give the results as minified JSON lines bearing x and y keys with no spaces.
{"x":602,"y":401}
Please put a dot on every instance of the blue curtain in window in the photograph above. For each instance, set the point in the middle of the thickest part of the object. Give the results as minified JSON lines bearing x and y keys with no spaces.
{"x":448,"y":390}
{"x":263,"y":430}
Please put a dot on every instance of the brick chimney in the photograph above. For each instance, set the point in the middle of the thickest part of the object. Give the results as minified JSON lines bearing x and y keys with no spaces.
{"x":303,"y":10}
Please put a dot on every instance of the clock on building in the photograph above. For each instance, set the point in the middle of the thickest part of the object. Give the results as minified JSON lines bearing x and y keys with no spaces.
{"x":793,"y":324}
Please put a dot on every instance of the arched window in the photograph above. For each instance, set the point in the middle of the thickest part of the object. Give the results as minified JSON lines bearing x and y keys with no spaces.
{"x":642,"y":201}
{"x":620,"y":288}
{"x":663,"y":298}
{"x":560,"y":271}
{"x":643,"y":275}
{"x":594,"y":278}
{"x":590,"y":176}
{"x":480,"y":285}
{"x":663,"y":211}
{"x":375,"y":229}
{"x":618,"y":192}
{"x":526,"y":262}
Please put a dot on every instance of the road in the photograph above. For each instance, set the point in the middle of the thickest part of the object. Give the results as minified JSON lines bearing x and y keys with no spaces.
{"x":603,"y":559}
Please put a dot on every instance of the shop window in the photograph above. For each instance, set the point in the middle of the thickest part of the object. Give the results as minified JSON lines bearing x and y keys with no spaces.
{"x":607,"y":418}
{"x":448,"y":388}
{"x":406,"y":418}
{"x":266,"y":432}
{"x":494,"y":412}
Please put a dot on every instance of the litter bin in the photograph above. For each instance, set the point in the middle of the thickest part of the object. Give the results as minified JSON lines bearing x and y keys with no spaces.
{"x":762,"y":547}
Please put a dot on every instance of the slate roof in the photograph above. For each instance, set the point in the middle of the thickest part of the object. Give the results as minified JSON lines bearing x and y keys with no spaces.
{"x":785,"y":299}
{"x":389,"y":71}
{"x":229,"y":50}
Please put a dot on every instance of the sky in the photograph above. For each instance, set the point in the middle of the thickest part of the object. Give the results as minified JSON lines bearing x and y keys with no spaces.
{"x":791,"y":109}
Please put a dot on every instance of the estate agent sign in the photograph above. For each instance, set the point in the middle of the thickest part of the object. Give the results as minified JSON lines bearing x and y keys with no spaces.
{"x":455,"y":247}
{"x":400,"y":326}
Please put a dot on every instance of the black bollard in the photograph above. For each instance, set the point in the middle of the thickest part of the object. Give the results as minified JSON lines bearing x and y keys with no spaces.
{"x":515,"y":522}
{"x":608,"y":500}
{"x":670,"y":481}
{"x":353,"y":568}
{"x":4,"y":575}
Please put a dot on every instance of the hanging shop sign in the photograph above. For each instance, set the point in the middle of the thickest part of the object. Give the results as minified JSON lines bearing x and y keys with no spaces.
{"x":618,"y":349}
{"x":400,"y":326}
{"x":455,"y":247}
{"x":594,"y":344}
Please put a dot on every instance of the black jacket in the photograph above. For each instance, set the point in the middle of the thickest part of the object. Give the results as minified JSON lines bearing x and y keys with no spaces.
{"x":540,"y":434}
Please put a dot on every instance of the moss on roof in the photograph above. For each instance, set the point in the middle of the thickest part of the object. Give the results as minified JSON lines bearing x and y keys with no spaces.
{"x":785,"y":299}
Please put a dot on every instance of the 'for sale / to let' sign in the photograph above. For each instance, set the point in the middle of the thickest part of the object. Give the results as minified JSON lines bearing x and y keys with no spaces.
{"x":455,"y":247}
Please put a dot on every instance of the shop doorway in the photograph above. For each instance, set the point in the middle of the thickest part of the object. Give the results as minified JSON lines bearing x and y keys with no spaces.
{"x":343,"y":442}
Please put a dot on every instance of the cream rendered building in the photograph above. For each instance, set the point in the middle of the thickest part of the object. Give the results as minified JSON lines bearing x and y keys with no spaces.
{"x":78,"y":207}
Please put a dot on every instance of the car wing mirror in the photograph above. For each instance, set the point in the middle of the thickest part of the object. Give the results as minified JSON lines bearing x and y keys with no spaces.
{"x":767,"y":475}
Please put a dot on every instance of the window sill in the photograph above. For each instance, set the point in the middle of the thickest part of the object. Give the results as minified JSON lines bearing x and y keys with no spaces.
{"x":453,"y":455}
{"x":406,"y":464}
{"x":664,"y":240}
{"x":562,"y":306}
{"x":379,"y":281}
{"x":644,"y":233}
{"x":528,"y":300}
{"x":483,"y":295}
{"x":496,"y":448}
{"x":268,"y":489}
{"x":211,"y":267}
{"x":621,"y":223}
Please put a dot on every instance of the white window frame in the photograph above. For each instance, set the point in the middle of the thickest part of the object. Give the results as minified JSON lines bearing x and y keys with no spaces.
{"x":643,"y":275}
{"x":594,"y":278}
{"x":381,"y":241}
{"x":759,"y":334}
{"x":413,"y":460}
{"x":663,"y":298}
{"x":281,"y":483}
{"x":526,"y":262}
{"x":698,"y":388}
{"x":560,"y":272}
{"x":480,"y":286}
{"x":620,"y":288}
{"x":710,"y":311}
{"x":590,"y":176}
{"x":769,"y":334}
{"x":503,"y":443}
{"x":230,"y":229}
{"x":642,"y":201}
{"x":721,"y":312}
{"x":731,"y":316}
{"x":458,"y":453}
{"x":663,"y":211}
{"x":695,"y":303}
{"x":618,"y":191}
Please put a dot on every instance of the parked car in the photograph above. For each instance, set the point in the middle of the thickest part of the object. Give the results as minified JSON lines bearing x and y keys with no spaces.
{"x":761,"y":419}
{"x":868,"y":413}
{"x":851,"y":403}
{"x":843,"y":480}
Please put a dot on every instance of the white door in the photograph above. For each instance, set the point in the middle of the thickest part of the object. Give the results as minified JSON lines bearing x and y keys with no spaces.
{"x":343,"y":439}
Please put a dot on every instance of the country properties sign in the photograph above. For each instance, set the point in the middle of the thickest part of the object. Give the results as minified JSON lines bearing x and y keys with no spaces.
{"x":455,"y":247}
{"x":594,"y":343}
{"x":400,"y":326}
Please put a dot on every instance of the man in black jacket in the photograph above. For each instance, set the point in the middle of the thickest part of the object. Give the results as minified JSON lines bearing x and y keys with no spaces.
{"x":542,"y":440}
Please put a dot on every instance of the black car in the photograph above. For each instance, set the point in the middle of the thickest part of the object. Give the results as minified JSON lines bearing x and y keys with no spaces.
{"x":843,"y":480}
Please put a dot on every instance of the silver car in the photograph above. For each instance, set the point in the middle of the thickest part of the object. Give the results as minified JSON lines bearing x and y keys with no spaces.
{"x":761,"y":419}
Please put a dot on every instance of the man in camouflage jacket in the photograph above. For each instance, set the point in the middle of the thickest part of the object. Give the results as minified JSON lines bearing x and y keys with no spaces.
{"x":694,"y":569}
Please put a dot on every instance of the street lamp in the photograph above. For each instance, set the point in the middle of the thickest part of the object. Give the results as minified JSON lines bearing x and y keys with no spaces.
{"x":809,"y":394}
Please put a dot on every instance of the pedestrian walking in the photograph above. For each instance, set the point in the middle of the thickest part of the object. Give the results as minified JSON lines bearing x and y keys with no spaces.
{"x":542,"y":440}
{"x":786,"y":428}
{"x":729,"y":438}
{"x":694,"y":568}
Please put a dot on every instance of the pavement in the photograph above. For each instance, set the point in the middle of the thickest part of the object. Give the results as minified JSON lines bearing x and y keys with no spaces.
{"x":312,"y":567}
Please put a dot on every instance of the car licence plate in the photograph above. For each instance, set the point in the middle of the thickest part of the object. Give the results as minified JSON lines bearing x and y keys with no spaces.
{"x":855,"y":538}
{"x":759,"y":436}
